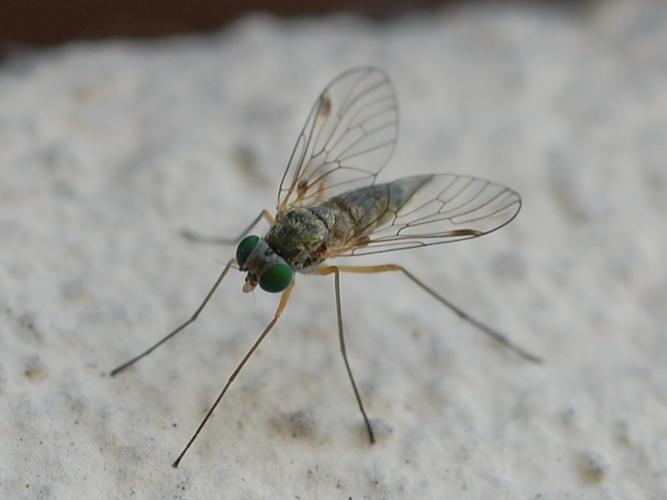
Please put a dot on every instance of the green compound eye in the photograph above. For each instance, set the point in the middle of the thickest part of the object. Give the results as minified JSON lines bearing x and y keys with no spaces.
{"x":276,"y":278}
{"x":245,"y":248}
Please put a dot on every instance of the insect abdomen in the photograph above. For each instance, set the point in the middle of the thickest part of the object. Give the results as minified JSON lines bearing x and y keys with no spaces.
{"x":362,"y":210}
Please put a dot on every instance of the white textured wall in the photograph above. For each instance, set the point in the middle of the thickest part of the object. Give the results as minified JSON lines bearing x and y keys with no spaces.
{"x":107,"y":149}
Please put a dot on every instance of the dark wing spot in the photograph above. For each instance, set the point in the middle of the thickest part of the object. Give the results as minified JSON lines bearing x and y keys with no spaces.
{"x":302,"y":188}
{"x":464,"y":232}
{"x":325,"y":106}
{"x":362,"y":242}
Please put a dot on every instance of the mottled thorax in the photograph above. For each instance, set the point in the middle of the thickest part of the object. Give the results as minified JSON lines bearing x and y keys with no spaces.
{"x":298,"y":236}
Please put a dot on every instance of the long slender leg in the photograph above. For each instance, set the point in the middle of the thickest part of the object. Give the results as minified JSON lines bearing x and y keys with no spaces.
{"x":214,"y":240}
{"x":122,"y":367}
{"x":494,"y":334}
{"x":281,"y":306}
{"x":341,"y":338}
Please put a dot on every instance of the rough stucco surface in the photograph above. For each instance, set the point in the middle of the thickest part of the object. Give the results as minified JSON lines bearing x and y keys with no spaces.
{"x":108,"y":149}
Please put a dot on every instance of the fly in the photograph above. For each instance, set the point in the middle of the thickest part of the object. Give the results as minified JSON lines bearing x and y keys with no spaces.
{"x":330,"y":205}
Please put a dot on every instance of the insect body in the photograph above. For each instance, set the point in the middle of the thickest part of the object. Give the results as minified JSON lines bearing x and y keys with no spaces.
{"x":330,"y":205}
{"x":305,"y":236}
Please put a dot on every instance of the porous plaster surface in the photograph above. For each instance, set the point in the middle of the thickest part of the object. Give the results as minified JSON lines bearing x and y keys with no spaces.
{"x":108,"y":149}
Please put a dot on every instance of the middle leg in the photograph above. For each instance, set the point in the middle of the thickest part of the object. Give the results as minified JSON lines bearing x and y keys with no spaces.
{"x":214,"y":240}
{"x":341,"y":339}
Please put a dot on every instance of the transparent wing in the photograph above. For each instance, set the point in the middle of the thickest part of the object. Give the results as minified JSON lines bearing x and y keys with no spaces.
{"x":348,"y":137}
{"x":442,"y":209}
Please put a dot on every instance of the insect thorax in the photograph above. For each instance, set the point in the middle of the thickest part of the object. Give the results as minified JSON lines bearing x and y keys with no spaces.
{"x":300,"y":236}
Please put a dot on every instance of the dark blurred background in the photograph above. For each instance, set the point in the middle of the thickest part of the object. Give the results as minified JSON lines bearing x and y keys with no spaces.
{"x":34,"y":22}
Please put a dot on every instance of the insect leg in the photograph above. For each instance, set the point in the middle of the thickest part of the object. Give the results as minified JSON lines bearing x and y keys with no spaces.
{"x":341,"y":338}
{"x":214,"y":240}
{"x":494,"y":334}
{"x":122,"y":367}
{"x":281,"y":306}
